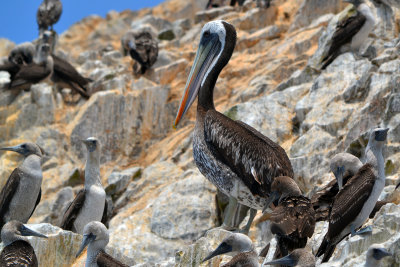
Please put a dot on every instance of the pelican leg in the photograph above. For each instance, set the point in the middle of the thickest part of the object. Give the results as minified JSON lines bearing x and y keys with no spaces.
{"x":229,"y":213}
{"x":246,"y":229}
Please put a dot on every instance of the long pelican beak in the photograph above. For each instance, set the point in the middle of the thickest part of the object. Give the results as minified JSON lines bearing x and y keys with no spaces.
{"x":25,"y":231}
{"x":221,"y":249}
{"x":287,"y":260}
{"x":339,"y":176}
{"x":87,"y":239}
{"x":208,"y":50}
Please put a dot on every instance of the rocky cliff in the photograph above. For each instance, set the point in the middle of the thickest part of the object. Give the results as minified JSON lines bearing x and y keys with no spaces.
{"x":162,"y":205}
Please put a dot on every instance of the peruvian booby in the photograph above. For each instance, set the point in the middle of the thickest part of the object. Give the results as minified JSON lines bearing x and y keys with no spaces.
{"x":20,"y":55}
{"x":17,"y":250}
{"x":241,"y":246}
{"x":40,"y":69}
{"x":375,"y":254}
{"x":90,"y":202}
{"x":293,"y":220}
{"x":236,"y":158}
{"x":48,"y":13}
{"x":299,"y":257}
{"x":142,"y":47}
{"x":21,"y":193}
{"x":355,"y":202}
{"x":353,"y":30}
{"x":96,"y":237}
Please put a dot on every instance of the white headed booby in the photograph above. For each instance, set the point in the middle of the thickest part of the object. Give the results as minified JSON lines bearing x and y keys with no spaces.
{"x":95,"y":237}
{"x":353,"y":30}
{"x":293,"y":220}
{"x":236,"y":158}
{"x":39,"y":70}
{"x":48,"y":13}
{"x":355,"y":202}
{"x":240,"y":245}
{"x":90,"y":203}
{"x":21,"y":194}
{"x":17,"y":250}
{"x":142,"y":47}
{"x":299,"y":257}
{"x":375,"y":254}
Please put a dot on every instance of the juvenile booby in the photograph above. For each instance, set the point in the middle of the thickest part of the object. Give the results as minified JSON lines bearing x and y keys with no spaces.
{"x":17,"y":250}
{"x":90,"y":203}
{"x":95,"y":237}
{"x":355,"y":202}
{"x":353,"y":30}
{"x":142,"y":47}
{"x":48,"y":13}
{"x":20,"y":55}
{"x":375,"y":254}
{"x":241,"y":246}
{"x":39,"y":70}
{"x":293,"y":220}
{"x":236,"y":158}
{"x":299,"y":257}
{"x":21,"y":194}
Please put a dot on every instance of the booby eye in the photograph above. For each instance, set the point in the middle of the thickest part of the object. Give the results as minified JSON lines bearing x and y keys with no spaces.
{"x":23,"y":146}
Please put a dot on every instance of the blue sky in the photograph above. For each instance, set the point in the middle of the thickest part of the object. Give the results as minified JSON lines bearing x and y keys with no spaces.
{"x":18,"y":17}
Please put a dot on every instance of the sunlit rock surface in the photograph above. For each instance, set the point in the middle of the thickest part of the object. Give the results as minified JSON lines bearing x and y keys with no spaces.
{"x":163,"y":208}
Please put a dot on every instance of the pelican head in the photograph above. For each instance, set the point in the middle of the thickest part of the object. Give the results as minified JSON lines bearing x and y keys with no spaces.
{"x":217,"y":42}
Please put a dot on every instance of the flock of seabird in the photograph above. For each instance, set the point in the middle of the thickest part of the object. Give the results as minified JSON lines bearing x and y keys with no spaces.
{"x":241,"y":162}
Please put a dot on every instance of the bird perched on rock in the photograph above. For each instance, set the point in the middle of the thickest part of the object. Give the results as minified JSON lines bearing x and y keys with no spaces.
{"x":90,"y":203}
{"x":353,"y":30}
{"x":375,"y":254}
{"x":39,"y":70}
{"x":299,"y":257}
{"x":48,"y":13}
{"x":240,"y":161}
{"x":293,"y":220}
{"x":355,"y":202}
{"x":21,"y":194}
{"x":19,"y":56}
{"x":142,"y":47}
{"x":17,"y":250}
{"x":240,"y":245}
{"x":95,"y":237}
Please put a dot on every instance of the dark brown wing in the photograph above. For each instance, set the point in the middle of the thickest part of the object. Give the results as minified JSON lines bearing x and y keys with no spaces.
{"x":349,"y":201}
{"x":18,"y":253}
{"x":37,"y":201}
{"x":7,"y":193}
{"x":244,"y":259}
{"x":66,"y":71}
{"x":11,"y":68}
{"x":242,"y":148}
{"x":293,"y":214}
{"x":32,"y":73}
{"x":105,"y":260}
{"x":104,"y":218}
{"x":345,"y":31}
{"x":73,"y":210}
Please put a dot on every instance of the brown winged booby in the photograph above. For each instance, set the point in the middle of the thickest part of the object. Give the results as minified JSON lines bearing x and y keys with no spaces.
{"x":375,"y":254}
{"x":353,"y":30}
{"x":293,"y":220}
{"x":21,"y":194}
{"x":17,"y":250}
{"x":39,"y":70}
{"x":95,"y":237}
{"x":241,"y":246}
{"x":48,"y":13}
{"x":299,"y":257}
{"x":236,"y":158}
{"x":90,"y":202}
{"x":20,"y":55}
{"x":355,"y":202}
{"x":142,"y":47}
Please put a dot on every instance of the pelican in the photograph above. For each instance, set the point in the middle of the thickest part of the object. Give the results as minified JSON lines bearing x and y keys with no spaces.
{"x":17,"y":250}
{"x":236,"y":158}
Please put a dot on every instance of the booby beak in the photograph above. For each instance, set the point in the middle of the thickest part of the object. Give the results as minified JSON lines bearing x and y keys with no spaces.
{"x":25,"y":231}
{"x":339,"y":176}
{"x":381,"y":135}
{"x":287,"y":260}
{"x":209,"y":48}
{"x":221,"y":249}
{"x":272,"y":197}
{"x":12,"y":148}
{"x":380,"y":253}
{"x":87,"y":239}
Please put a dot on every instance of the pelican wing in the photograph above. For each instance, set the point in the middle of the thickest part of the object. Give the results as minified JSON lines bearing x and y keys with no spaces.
{"x":246,"y":152}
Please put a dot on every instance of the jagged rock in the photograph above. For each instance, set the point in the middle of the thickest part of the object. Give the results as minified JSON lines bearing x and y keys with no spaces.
{"x":158,"y":23}
{"x":208,"y":15}
{"x":118,"y":181}
{"x":167,"y":35}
